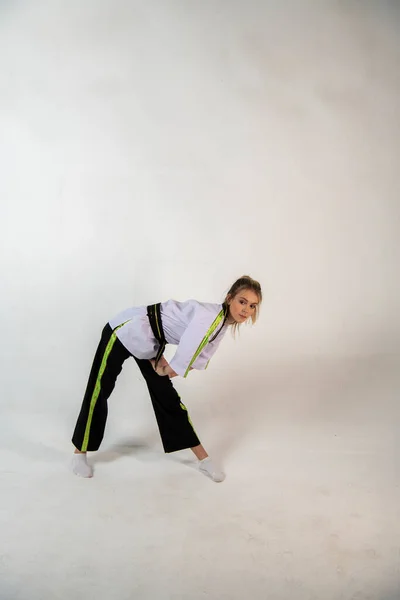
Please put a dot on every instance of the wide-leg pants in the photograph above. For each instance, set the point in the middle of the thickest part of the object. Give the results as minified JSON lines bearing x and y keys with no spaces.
{"x":173,"y":420}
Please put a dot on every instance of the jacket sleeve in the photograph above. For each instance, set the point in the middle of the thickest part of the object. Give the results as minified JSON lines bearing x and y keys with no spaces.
{"x":208,"y":352}
{"x":190,"y":341}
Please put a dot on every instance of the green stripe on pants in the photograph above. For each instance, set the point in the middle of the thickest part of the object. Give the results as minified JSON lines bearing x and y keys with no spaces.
{"x":97,"y":388}
{"x":183,"y":407}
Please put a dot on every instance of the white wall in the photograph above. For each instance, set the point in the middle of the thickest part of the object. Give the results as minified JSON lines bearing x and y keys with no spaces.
{"x":161,"y":149}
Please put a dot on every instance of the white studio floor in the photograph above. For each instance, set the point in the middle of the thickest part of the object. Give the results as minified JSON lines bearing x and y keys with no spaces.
{"x":309,"y":509}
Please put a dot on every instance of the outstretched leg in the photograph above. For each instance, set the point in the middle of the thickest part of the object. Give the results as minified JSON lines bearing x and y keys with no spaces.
{"x":176,"y":428}
{"x":90,"y":426}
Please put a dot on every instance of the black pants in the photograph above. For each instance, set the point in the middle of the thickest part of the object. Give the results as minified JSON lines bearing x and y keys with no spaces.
{"x":172,"y":417}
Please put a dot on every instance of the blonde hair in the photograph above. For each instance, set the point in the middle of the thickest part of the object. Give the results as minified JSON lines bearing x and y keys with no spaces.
{"x":245,"y":283}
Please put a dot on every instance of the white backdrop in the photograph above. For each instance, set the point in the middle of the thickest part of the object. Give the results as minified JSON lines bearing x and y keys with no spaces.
{"x":161,"y":149}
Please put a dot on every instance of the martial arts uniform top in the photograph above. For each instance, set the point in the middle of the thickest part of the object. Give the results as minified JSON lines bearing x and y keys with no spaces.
{"x":186,"y":324}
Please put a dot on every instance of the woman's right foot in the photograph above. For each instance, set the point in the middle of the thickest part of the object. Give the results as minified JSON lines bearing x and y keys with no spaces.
{"x":80,"y":466}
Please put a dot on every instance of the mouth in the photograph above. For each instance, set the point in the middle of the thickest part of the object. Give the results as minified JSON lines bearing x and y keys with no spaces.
{"x":244,"y":316}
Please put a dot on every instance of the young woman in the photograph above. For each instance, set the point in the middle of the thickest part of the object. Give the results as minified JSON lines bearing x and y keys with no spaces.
{"x":197,"y":329}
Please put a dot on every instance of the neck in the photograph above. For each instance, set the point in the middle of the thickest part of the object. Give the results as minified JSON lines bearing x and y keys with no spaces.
{"x":228,"y":318}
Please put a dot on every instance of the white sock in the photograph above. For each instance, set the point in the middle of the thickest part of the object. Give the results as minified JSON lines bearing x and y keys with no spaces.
{"x":207,"y":467}
{"x":80,"y":466}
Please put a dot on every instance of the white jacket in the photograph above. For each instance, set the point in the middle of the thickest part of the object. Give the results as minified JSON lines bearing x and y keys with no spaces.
{"x":185,"y":325}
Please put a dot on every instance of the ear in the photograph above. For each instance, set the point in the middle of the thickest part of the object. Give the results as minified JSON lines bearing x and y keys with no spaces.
{"x":229,"y":299}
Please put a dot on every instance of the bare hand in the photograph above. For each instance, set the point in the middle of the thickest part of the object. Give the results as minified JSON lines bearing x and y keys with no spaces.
{"x":161,"y":366}
{"x":163,"y":369}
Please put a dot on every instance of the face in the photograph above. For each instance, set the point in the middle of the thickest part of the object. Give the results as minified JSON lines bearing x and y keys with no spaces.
{"x":242,"y":306}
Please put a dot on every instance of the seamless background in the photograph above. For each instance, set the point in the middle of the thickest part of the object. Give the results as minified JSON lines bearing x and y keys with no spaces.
{"x":161,"y":149}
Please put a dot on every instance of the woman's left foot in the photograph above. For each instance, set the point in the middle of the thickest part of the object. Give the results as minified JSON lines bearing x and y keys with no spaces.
{"x":80,"y":466}
{"x":207,"y":467}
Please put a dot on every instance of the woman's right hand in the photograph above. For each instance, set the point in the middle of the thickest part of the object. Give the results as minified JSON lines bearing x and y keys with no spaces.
{"x":163,"y":369}
{"x":161,"y":363}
